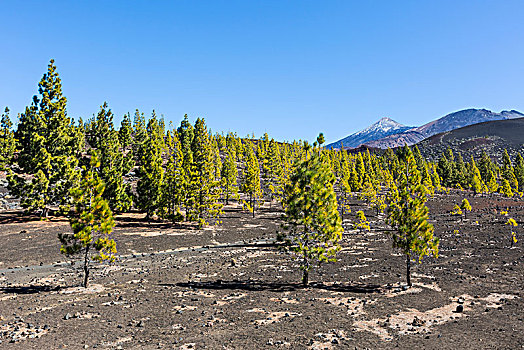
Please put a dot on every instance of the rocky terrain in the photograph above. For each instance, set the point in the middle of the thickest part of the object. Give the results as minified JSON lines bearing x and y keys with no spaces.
{"x":229,"y":287}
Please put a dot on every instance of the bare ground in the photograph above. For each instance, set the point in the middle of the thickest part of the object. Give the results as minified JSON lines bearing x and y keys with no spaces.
{"x":228,"y":287}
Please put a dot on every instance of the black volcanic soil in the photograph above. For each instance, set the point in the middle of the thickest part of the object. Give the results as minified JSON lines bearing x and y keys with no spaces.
{"x":227,"y":287}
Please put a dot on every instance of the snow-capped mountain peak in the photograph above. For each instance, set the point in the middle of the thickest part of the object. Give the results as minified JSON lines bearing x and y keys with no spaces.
{"x":385,"y":124}
{"x":384,"y":127}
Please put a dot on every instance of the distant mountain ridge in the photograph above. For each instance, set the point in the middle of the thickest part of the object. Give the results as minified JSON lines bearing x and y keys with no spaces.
{"x":382,"y":128}
{"x":470,"y":141}
{"x":410,"y":136}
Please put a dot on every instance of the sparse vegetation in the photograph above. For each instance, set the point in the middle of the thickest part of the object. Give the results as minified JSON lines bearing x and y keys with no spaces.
{"x":175,"y":182}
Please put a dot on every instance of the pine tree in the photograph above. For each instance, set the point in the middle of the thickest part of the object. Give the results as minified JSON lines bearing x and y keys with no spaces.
{"x":231,"y":145}
{"x":274,"y":171}
{"x":465,"y":206}
{"x":150,"y":173}
{"x":362,"y":222}
{"x":229,"y":177}
{"x":345,"y":188}
{"x":360,"y":169}
{"x":519,"y":172}
{"x":217,"y":160}
{"x":426,"y":179}
{"x":476,"y":183}
{"x":262,"y":159}
{"x":78,"y":144}
{"x":139,"y":136}
{"x":435,"y":178}
{"x":92,"y":221}
{"x":512,"y":223}
{"x":48,"y":149}
{"x":354,"y":179}
{"x":205,"y":184}
{"x":457,"y":211}
{"x":313,"y":225}
{"x":173,"y":187}
{"x":418,"y":158}
{"x":408,"y":214}
{"x":125,"y":133}
{"x":506,"y":188}
{"x":251,"y":179}
{"x":491,"y":183}
{"x":445,"y":170}
{"x":486,"y":168}
{"x":320,"y":141}
{"x":102,"y":136}
{"x":368,"y":192}
{"x":7,"y":141}
{"x":461,"y":173}
{"x":186,"y":134}
{"x":507,"y":171}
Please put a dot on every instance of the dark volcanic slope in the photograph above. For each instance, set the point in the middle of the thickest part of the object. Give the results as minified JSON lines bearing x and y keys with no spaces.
{"x":491,"y":137}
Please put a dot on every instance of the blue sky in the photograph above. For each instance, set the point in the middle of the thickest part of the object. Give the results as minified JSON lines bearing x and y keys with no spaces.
{"x":289,"y":68}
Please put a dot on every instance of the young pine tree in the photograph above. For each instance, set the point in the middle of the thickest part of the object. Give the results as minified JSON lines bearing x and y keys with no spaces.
{"x":125,"y":133}
{"x":203,"y":182}
{"x":139,"y":136}
{"x":275,"y":175}
{"x":172,"y":196}
{"x":103,"y":137}
{"x":186,"y":134}
{"x":506,"y":188}
{"x":313,"y":225}
{"x":362,"y":222}
{"x":465,"y":206}
{"x":507,"y":171}
{"x":519,"y":172}
{"x":229,"y":177}
{"x":48,"y":149}
{"x":7,"y":141}
{"x":251,"y":179}
{"x":345,"y":188}
{"x":512,"y":223}
{"x":92,"y":221}
{"x":150,"y":173}
{"x":408,"y":215}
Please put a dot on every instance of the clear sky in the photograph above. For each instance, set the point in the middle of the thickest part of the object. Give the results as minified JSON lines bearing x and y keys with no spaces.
{"x":289,"y":68}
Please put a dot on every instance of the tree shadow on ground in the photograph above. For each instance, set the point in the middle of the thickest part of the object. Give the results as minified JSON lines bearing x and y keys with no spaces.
{"x":253,"y":285}
{"x":32,"y":289}
{"x":127,"y":222}
{"x":19,"y":217}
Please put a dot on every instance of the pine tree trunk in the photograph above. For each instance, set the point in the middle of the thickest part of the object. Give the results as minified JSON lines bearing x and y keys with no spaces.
{"x":305,"y":278}
{"x":408,"y":270}
{"x":343,"y":208}
{"x":86,"y":267}
{"x":253,"y":204}
{"x":305,"y":275}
